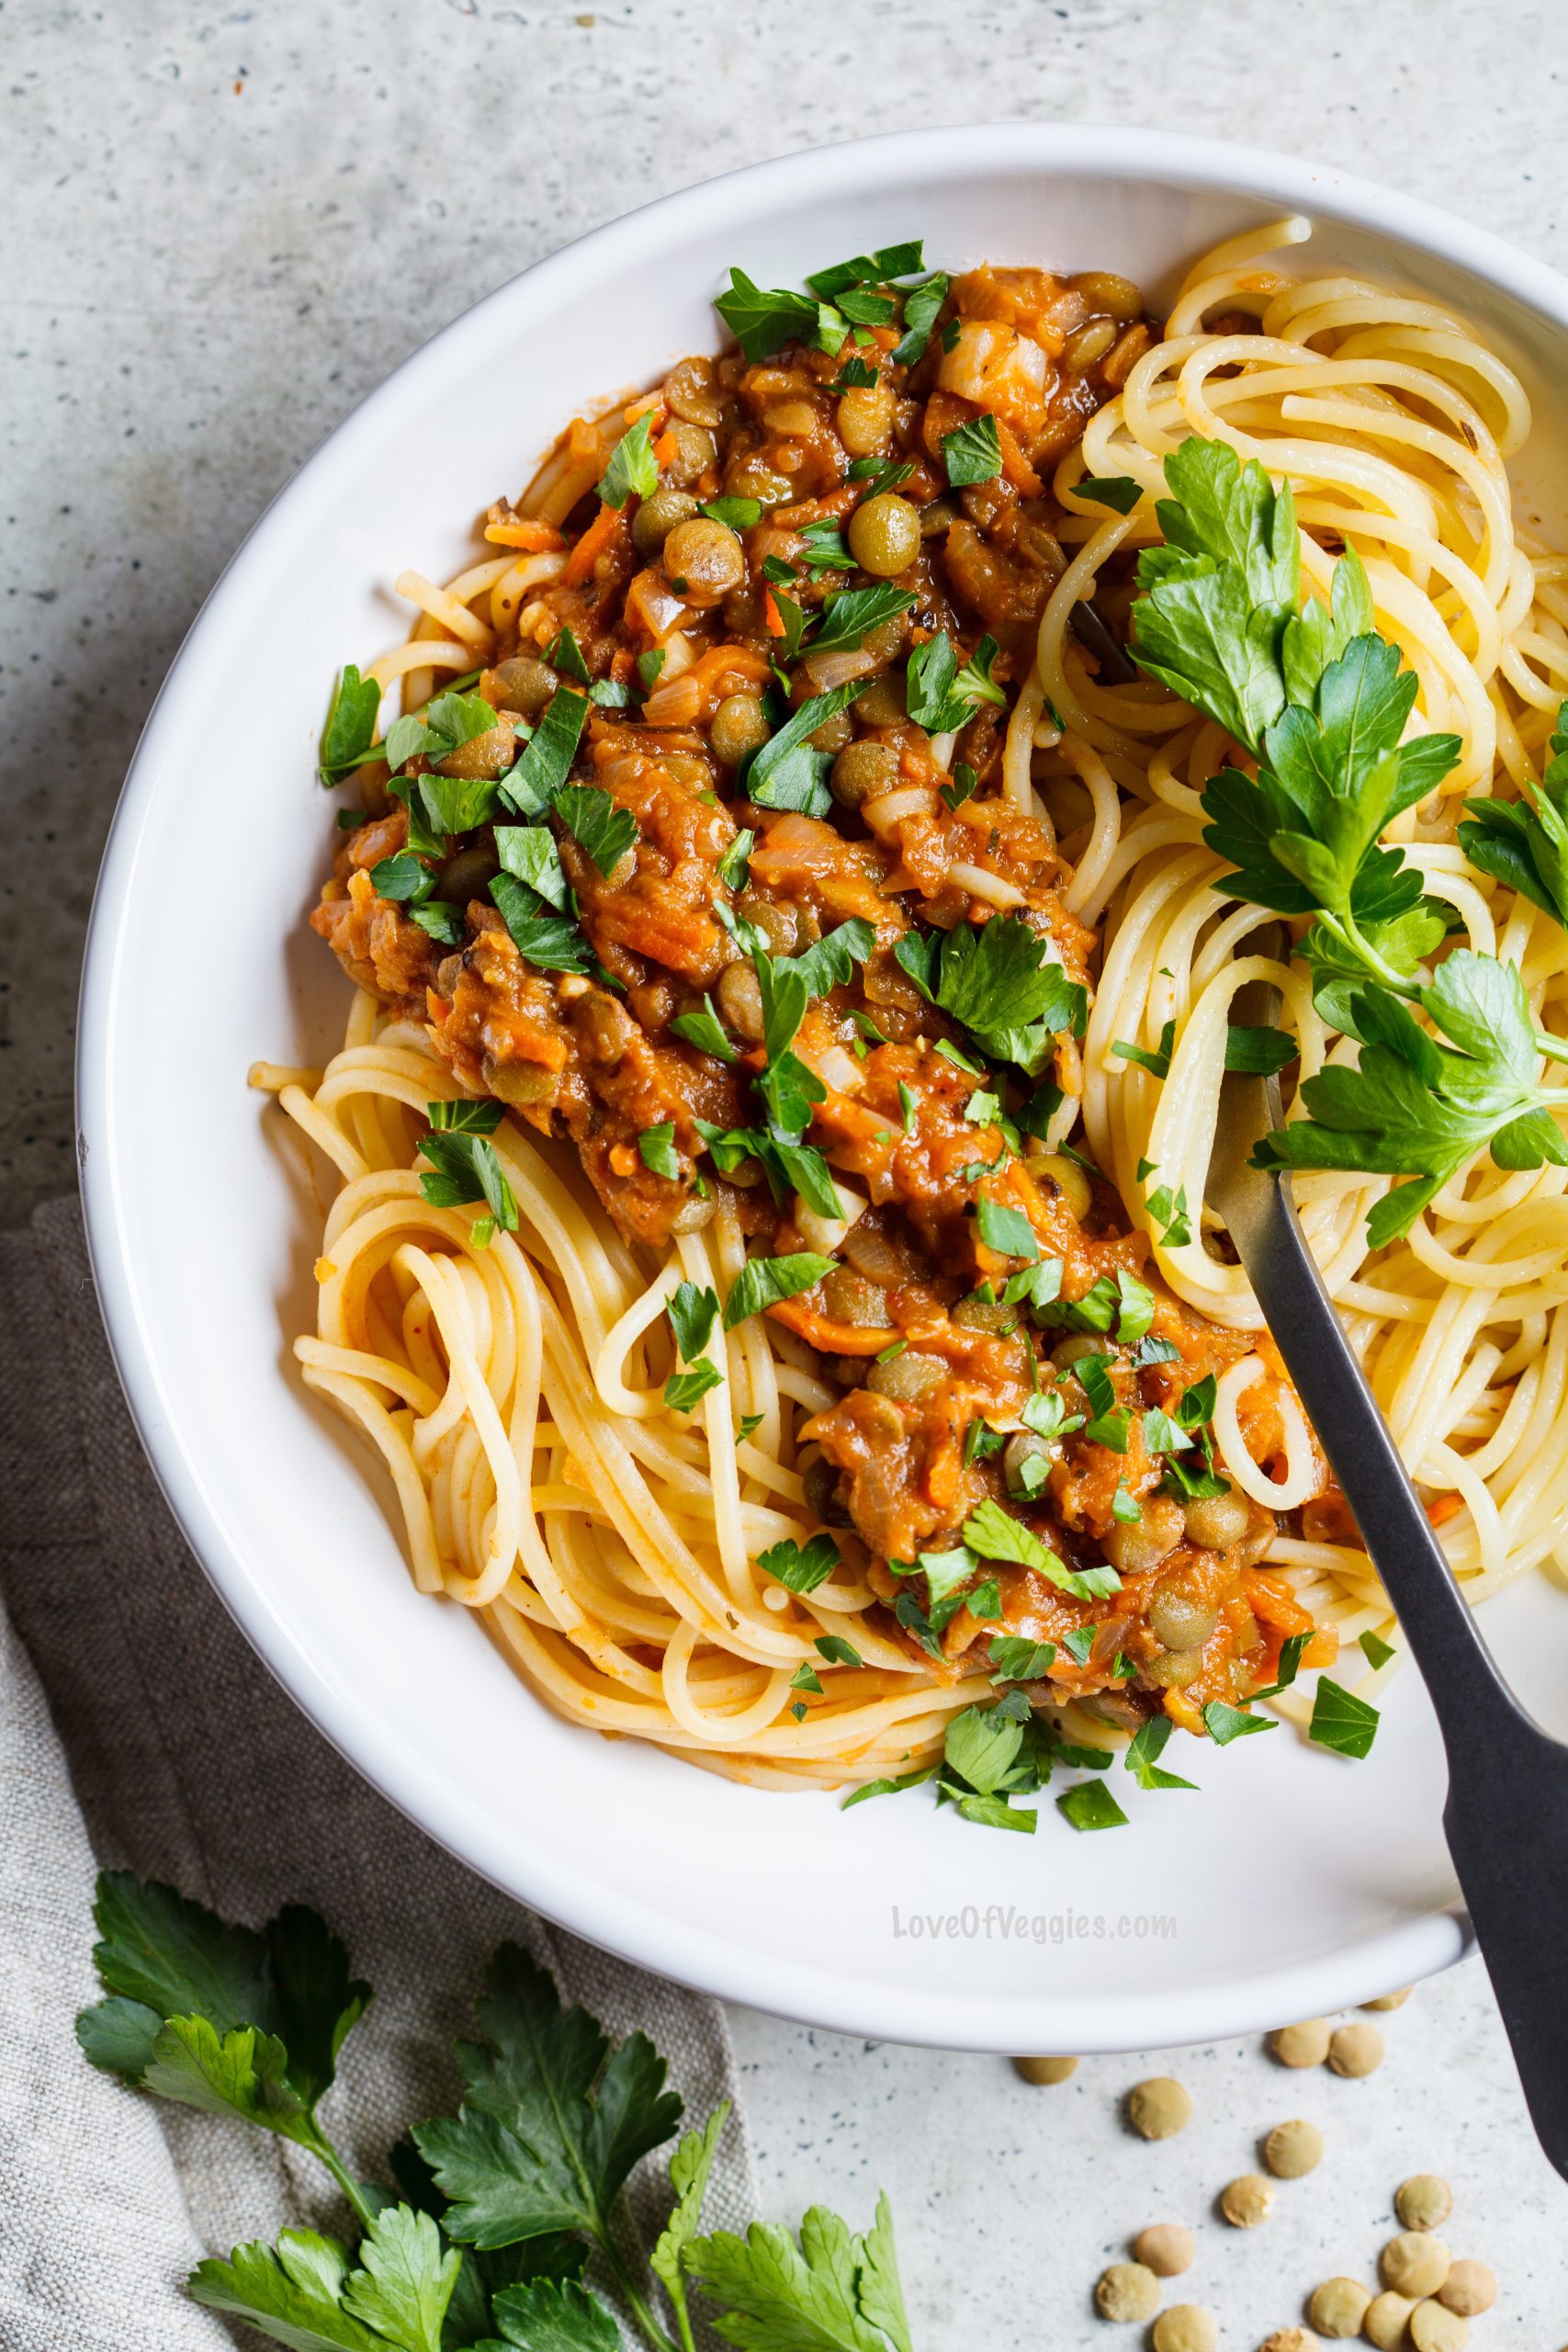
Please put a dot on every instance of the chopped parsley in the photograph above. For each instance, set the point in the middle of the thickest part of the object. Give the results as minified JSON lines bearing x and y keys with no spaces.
{"x":349,"y":735}
{"x":1119,"y":491}
{"x":974,"y":453}
{"x":1008,"y":1231}
{"x":1157,"y":1063}
{"x":850,"y":617}
{"x":765,"y":1282}
{"x":940,"y":693}
{"x":705,"y":1031}
{"x":685,"y":1389}
{"x":633,"y":470}
{"x":784,"y":772}
{"x":603,"y":829}
{"x":1091,"y":1805}
{"x":801,"y":1567}
{"x":531,"y":786}
{"x":994,"y":1534}
{"x":1014,"y":1659}
{"x":464,"y":1166}
{"x":921,"y":305}
{"x":1342,"y":1721}
{"x":657,"y":1146}
{"x":996,"y":980}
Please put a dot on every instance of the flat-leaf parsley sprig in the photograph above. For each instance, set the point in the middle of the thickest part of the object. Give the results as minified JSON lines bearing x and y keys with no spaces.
{"x":1319,"y":699}
{"x":504,"y":2206}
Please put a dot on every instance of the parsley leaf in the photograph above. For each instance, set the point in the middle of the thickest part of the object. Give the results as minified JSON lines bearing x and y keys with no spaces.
{"x":1119,"y":491}
{"x":689,"y":2169}
{"x":738,"y":514}
{"x":1008,"y":1231}
{"x":693,"y":1314}
{"x":1157,"y":1064}
{"x":465,"y":1168}
{"x":1091,"y":1805}
{"x":216,"y":2016}
{"x":801,"y":1567}
{"x":974,"y":453}
{"x":1144,"y":1751}
{"x":921,"y":306}
{"x":784,"y":772}
{"x":1342,"y":1721}
{"x":1421,"y":1108}
{"x":763,"y":319}
{"x":604,"y":831}
{"x":306,"y":2292}
{"x":868,"y":269}
{"x":705,"y":1031}
{"x":849,"y":617}
{"x":657,"y":1147}
{"x":942,"y":696}
{"x":633,"y":468}
{"x":551,"y":2315}
{"x":552,"y":942}
{"x":553,"y":2122}
{"x":995,"y":1535}
{"x":529,"y":852}
{"x":1226,"y":1723}
{"x":996,"y":980}
{"x":531,"y":786}
{"x":1264,"y":1051}
{"x":733,"y":868}
{"x":683,"y":1390}
{"x":764,"y":1281}
{"x":1524,"y":842}
{"x":834,"y":2293}
{"x":350,"y":730}
{"x":1015,"y":1660}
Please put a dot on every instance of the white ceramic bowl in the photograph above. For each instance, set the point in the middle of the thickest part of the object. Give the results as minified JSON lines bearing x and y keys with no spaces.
{"x":1294,"y":1883}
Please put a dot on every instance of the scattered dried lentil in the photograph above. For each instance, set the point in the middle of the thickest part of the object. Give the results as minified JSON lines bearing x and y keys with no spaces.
{"x":1423,"y":2201}
{"x":1160,"y":2107}
{"x":1127,"y":2291}
{"x":1469,"y":2287}
{"x":1293,"y":2149}
{"x":1301,"y":2045}
{"x":1045,"y":2070}
{"x":1415,"y":2263}
{"x":1247,"y":2201}
{"x":1166,"y":2248}
{"x":1338,"y":2307}
{"x":1356,"y":2050}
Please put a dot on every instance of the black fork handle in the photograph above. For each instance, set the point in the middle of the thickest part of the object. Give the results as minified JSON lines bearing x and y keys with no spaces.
{"x":1506,"y":1816}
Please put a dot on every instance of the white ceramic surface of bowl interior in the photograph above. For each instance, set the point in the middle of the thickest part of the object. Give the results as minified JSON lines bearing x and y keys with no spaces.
{"x":1295,"y":1882}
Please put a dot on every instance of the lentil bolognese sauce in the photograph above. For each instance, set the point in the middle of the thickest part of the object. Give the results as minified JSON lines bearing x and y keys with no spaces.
{"x":747,"y":1321}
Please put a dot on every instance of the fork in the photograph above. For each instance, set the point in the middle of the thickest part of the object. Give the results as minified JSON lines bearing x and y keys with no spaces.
{"x":1506,"y":1815}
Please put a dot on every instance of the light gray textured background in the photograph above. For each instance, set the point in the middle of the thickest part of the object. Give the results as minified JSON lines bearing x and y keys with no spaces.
{"x":226,"y":224}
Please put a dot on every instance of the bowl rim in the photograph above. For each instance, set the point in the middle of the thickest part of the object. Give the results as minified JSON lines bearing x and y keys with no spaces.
{"x":582,"y":1899}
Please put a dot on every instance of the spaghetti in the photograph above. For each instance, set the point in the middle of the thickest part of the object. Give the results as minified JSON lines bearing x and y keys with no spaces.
{"x":516,"y":1382}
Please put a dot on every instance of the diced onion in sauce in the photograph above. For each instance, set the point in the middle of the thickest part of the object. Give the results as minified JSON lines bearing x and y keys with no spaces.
{"x":890,"y":808}
{"x":829,"y":670}
{"x":981,"y":884}
{"x":827,"y":1233}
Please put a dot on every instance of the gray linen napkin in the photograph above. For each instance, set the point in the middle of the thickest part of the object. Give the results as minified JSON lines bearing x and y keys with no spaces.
{"x":172,"y":1751}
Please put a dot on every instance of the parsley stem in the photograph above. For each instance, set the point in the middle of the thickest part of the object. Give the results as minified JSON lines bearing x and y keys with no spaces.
{"x":636,"y":2301}
{"x":1348,"y":930}
{"x":320,"y":2145}
{"x":1554,"y":1049}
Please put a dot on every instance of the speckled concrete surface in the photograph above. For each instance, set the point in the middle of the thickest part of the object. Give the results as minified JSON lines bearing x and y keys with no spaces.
{"x":225,"y":224}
